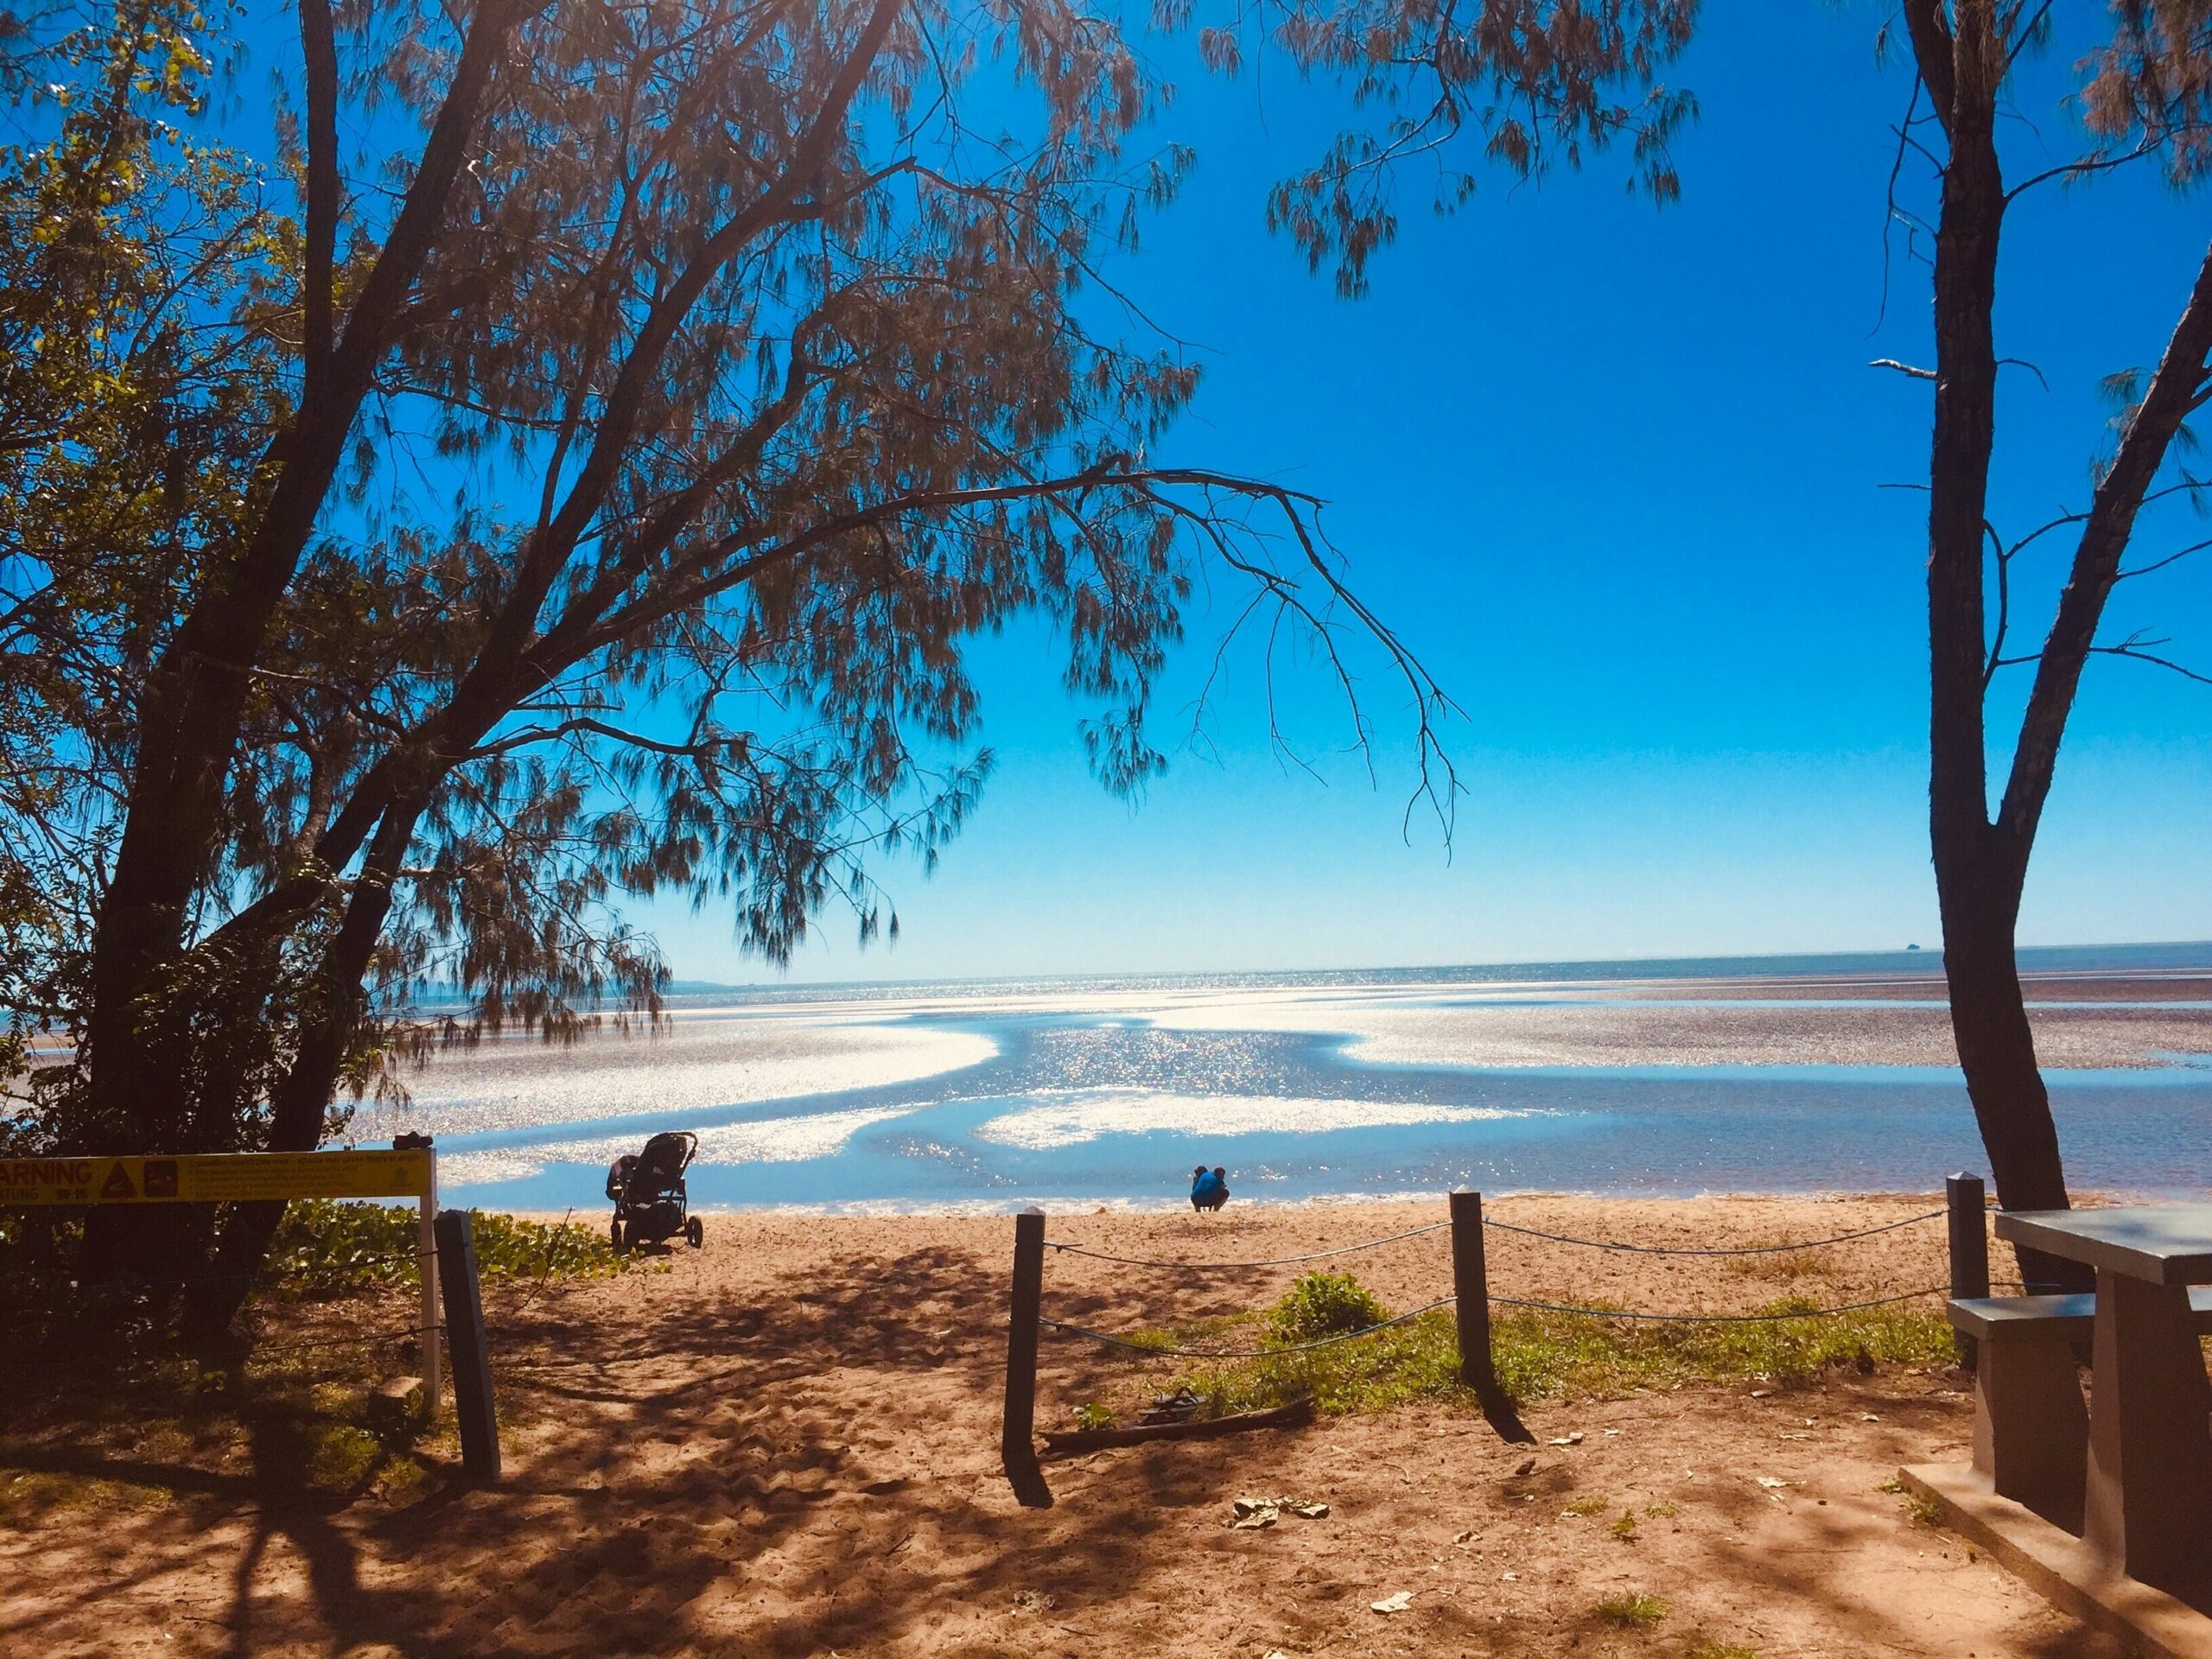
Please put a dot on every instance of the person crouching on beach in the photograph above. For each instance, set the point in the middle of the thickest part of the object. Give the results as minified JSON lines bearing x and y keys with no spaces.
{"x":1209,"y":1188}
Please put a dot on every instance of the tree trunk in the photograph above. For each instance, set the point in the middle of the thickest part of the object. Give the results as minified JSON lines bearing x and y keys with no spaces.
{"x":190,"y":720}
{"x":1981,"y":867}
{"x":1997,"y":1052}
{"x":302,"y":1099}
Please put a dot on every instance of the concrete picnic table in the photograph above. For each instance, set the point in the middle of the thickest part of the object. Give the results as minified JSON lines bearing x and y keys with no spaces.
{"x":2147,"y":1508}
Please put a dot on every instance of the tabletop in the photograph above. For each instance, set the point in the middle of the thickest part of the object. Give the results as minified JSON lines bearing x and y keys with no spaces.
{"x":2165,"y":1243}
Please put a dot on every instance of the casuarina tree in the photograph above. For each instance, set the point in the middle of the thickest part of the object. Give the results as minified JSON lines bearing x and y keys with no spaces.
{"x":1530,"y":84}
{"x":562,"y":454}
{"x":555,"y":456}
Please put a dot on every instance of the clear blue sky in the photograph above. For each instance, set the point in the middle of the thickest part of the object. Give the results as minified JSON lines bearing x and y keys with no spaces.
{"x":1614,"y":472}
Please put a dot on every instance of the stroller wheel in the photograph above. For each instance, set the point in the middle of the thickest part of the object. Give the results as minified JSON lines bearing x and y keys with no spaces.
{"x":695,"y":1233}
{"x":614,"y":1235}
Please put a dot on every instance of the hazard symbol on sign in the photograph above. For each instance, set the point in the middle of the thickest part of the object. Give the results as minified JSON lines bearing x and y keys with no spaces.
{"x":219,"y":1177}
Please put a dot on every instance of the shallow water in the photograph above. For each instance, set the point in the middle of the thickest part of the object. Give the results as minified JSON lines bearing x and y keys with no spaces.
{"x":994,"y":1096}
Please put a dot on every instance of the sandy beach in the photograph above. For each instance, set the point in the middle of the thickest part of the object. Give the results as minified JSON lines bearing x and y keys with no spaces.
{"x":787,"y":1443}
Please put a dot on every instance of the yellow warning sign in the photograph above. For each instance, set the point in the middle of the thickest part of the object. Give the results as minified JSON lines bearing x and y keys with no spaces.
{"x":209,"y":1178}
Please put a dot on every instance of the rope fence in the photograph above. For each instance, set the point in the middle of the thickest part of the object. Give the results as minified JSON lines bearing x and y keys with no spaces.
{"x":1168,"y":1352}
{"x":1270,"y":1261}
{"x":1734,"y":1249}
{"x":1775,"y":1317}
{"x":402,"y":1334}
{"x":1470,"y":1297}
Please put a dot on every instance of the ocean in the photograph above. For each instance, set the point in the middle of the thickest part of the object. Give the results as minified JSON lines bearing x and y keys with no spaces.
{"x":1776,"y":1074}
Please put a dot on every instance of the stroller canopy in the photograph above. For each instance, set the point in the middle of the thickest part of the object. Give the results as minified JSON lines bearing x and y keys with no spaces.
{"x":666,"y":1157}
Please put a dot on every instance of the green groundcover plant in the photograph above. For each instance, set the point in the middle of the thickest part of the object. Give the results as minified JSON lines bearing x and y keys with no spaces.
{"x":1541,"y":1354}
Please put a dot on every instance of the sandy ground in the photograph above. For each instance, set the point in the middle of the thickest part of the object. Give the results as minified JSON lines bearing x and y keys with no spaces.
{"x":786,"y":1444}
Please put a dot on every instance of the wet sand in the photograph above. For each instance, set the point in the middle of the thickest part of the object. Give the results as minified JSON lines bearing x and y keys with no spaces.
{"x":1761,"y":1031}
{"x":2149,"y":985}
{"x":786,"y":1444}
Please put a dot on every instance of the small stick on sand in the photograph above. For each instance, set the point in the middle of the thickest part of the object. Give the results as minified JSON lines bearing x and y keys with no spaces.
{"x":1069,"y":1441}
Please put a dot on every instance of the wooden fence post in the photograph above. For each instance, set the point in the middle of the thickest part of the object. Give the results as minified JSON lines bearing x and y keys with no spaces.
{"x":1969,"y":1243}
{"x":1471,"y":1289}
{"x":1017,"y":1430}
{"x":472,"y":1360}
{"x":426,"y":1265}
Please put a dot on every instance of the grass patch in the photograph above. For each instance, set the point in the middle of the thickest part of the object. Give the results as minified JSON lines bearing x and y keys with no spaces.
{"x":291,"y":1430}
{"x":34,"y":1496}
{"x":1541,"y":1356}
{"x":1662,"y":1510}
{"x":1630,"y":1611}
{"x":1162,"y":1338}
{"x":1703,"y":1649}
{"x":1624,"y":1529}
{"x":1924,"y":1510}
{"x":281,"y":1400}
{"x":1589,"y":1503}
{"x":1419,"y":1360}
{"x":341,"y":1458}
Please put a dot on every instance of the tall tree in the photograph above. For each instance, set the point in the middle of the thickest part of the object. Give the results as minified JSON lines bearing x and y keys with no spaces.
{"x":1540,"y":82}
{"x":585,"y":483}
{"x":571,"y":466}
{"x":2147,"y":94}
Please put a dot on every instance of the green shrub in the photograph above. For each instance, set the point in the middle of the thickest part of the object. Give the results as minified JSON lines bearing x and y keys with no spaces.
{"x":508,"y":1247}
{"x":1323,"y":1305}
{"x":328,"y":1247}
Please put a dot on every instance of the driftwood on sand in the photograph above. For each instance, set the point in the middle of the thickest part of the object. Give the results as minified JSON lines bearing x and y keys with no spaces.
{"x":1068,"y":1441}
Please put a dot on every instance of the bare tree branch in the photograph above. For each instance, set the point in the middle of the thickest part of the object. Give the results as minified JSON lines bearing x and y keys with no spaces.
{"x":2105,"y":532}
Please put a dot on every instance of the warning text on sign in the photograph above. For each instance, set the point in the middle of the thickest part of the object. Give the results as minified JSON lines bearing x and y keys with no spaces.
{"x":212,"y":1178}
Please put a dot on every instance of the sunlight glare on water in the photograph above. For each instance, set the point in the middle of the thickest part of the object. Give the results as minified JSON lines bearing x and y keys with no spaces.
{"x":989,"y":1097}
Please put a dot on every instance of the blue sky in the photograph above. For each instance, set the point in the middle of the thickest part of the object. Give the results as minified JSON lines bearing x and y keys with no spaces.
{"x":1615,"y":472}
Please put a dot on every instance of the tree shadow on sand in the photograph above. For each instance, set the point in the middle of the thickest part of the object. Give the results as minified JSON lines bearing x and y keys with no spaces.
{"x":806,"y":1468}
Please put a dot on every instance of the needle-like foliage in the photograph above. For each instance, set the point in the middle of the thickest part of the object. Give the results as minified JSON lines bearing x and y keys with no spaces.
{"x":572,"y":460}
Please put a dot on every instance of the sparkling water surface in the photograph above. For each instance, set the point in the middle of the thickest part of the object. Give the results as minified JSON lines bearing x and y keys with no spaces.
{"x":989,"y":1097}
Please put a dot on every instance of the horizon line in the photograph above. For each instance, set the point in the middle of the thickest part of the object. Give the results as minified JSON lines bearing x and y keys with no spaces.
{"x":688,"y":985}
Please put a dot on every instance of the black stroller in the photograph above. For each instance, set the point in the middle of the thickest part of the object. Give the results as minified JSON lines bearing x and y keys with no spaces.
{"x":649,"y":1203}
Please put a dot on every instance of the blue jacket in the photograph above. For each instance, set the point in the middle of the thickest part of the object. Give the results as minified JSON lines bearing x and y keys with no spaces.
{"x":1208,"y":1186}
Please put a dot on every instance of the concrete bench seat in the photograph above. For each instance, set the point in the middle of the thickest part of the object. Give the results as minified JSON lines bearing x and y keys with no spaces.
{"x":2031,"y":1423}
{"x":2043,"y":1319}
